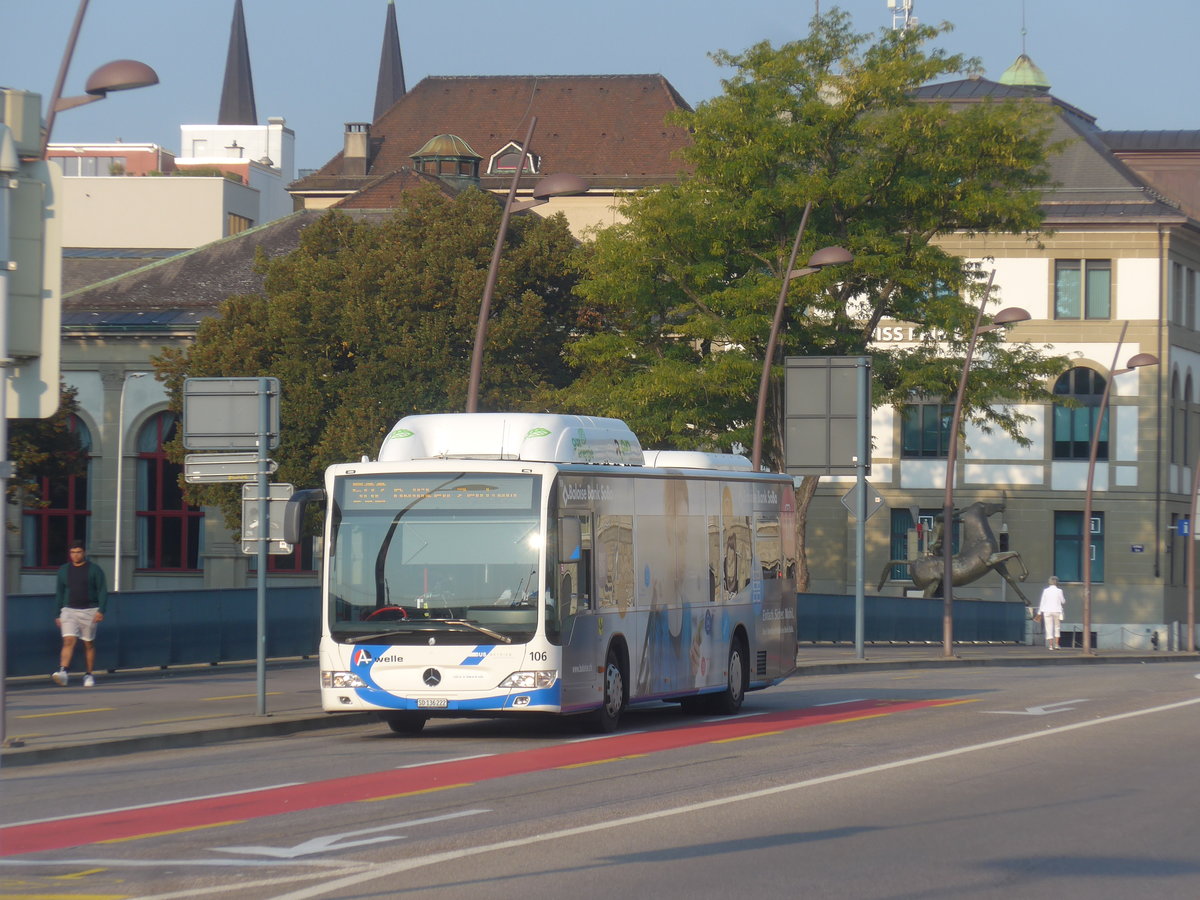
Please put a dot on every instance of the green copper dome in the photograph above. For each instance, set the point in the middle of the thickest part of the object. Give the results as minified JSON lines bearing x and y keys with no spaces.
{"x":1025,"y":73}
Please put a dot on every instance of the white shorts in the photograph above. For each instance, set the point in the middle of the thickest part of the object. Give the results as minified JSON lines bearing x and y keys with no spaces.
{"x":80,"y":623}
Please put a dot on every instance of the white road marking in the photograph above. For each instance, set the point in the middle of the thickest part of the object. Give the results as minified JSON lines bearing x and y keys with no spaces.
{"x":389,"y":869}
{"x":119,"y":809}
{"x":1060,"y":706}
{"x":329,"y":842}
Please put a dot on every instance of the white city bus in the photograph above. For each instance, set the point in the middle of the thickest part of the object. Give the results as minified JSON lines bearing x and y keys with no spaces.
{"x":496,"y":563}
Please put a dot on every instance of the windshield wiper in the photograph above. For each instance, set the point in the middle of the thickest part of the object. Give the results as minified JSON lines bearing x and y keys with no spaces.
{"x":423,"y":625}
{"x":492,"y":634}
{"x":375,"y":636}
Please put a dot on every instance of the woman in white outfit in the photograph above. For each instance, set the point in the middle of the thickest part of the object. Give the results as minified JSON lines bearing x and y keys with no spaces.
{"x":1051,"y":608}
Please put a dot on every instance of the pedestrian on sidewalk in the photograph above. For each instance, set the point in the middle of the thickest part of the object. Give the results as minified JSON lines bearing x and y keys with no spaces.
{"x":1051,"y":610}
{"x":81,"y":594}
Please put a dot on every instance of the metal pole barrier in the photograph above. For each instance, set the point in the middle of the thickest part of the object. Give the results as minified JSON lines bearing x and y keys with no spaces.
{"x":860,"y":541}
{"x":4,"y":463}
{"x":264,"y":535}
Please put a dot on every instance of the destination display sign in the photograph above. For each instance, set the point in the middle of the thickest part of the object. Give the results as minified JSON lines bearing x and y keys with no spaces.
{"x":440,"y":491}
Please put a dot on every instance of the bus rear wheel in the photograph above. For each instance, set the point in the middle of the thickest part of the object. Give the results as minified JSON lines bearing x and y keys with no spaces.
{"x":404,"y":722}
{"x":729,"y":701}
{"x":608,"y":716}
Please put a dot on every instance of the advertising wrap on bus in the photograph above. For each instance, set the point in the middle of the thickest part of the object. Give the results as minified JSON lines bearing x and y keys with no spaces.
{"x":480,"y":585}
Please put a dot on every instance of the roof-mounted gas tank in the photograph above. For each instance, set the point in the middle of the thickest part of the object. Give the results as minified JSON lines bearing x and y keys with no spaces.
{"x":533,"y":437}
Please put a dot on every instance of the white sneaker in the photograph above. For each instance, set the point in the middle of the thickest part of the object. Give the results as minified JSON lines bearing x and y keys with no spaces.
{"x":60,"y":677}
{"x":89,"y":681}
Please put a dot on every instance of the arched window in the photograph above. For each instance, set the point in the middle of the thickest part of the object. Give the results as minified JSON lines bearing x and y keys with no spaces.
{"x":169,"y":532}
{"x":1073,"y":425}
{"x":48,"y":530}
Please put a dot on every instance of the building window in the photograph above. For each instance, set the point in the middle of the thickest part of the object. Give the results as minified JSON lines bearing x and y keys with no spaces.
{"x":1068,"y":544}
{"x":926,"y":430}
{"x":235,"y":224}
{"x":504,"y":162}
{"x":910,"y":540}
{"x":1082,"y":288}
{"x":169,"y":531}
{"x":1073,"y":426}
{"x":49,"y":530}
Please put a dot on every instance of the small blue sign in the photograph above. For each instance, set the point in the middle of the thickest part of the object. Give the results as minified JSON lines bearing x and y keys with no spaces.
{"x":1137,"y":548}
{"x":1183,"y":527}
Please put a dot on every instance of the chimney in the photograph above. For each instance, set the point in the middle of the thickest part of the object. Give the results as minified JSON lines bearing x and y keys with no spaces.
{"x":358,"y":144}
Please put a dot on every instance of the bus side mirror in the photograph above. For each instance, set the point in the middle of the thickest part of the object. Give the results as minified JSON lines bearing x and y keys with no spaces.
{"x":293,"y":513}
{"x":570,"y":533}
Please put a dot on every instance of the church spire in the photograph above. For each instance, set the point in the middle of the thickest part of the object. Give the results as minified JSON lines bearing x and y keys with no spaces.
{"x":391,"y":67}
{"x":237,"y":96}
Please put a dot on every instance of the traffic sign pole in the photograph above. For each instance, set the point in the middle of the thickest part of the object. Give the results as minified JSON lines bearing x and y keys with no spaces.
{"x":264,"y":494}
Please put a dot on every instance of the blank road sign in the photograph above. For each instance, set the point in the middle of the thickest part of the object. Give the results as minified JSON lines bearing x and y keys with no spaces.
{"x":222,"y":468}
{"x":226,"y":413}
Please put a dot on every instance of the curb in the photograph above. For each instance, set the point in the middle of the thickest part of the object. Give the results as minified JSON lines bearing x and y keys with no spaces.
{"x":34,"y":755}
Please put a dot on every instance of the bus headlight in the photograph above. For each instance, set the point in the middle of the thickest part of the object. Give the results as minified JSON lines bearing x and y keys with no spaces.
{"x":341,"y":680}
{"x":535,"y":679}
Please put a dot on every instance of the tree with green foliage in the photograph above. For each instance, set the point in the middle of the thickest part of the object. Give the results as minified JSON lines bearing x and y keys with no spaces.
{"x":44,"y":448}
{"x":681,"y":296}
{"x":365,"y":323}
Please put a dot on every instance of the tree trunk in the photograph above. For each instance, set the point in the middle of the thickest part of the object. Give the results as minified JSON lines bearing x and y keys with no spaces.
{"x":804,"y":496}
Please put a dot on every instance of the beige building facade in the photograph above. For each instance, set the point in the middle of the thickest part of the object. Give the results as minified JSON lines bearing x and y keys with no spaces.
{"x":1119,"y":258}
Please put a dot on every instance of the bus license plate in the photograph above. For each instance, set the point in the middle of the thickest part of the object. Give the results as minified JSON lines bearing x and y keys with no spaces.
{"x":432,"y":703}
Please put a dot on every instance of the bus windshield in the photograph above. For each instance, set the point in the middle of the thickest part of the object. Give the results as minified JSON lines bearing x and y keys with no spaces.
{"x":442,"y":556}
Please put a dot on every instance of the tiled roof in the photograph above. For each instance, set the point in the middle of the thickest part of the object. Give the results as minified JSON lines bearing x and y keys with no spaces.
{"x":190,"y":285}
{"x":1151,"y":141}
{"x":607,"y":128}
{"x":1089,"y":182}
{"x":385,"y":192}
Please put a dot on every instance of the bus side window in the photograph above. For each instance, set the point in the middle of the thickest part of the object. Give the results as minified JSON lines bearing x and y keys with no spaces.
{"x":576,"y":560}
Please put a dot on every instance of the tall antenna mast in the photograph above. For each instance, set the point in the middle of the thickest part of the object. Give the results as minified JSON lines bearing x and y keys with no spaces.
{"x":902,"y":14}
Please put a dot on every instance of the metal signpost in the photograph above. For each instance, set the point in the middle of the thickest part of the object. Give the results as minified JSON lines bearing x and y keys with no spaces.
{"x":237,"y":414}
{"x":827,"y":408}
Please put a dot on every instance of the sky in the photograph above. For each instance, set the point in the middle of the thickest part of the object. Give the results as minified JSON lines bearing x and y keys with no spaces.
{"x":315,"y":62}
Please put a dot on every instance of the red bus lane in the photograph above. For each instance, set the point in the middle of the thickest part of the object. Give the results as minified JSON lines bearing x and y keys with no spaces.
{"x":188,"y":815}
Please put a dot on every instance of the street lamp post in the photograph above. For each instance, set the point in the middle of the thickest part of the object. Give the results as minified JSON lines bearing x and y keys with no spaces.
{"x":558,"y":185}
{"x":1135,"y":362}
{"x":826,"y":256}
{"x":1005,"y":317}
{"x":121,"y":75}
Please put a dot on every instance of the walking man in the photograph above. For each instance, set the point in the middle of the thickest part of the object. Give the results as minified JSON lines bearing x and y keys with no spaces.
{"x":81,"y":595}
{"x":1051,"y":608}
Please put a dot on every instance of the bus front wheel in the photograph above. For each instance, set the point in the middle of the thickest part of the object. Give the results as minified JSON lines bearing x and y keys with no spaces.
{"x":608,"y":716}
{"x":404,"y":722}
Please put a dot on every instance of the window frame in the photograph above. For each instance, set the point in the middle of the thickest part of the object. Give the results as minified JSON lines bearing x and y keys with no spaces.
{"x":1069,"y":420}
{"x":1082,"y":300}
{"x":157,"y":516}
{"x":916,"y":422}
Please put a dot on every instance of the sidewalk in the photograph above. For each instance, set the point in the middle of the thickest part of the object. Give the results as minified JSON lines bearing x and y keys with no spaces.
{"x":137,"y":711}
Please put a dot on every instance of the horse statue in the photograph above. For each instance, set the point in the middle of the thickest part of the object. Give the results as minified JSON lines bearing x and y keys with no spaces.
{"x":979,"y":553}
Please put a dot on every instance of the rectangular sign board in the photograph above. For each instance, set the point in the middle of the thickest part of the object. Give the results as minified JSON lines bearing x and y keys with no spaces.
{"x":823,"y":402}
{"x":222,"y":468}
{"x":252,"y":530}
{"x":226,"y":413}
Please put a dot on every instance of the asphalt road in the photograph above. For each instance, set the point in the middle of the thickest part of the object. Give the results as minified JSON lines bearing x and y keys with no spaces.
{"x":1029,"y":781}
